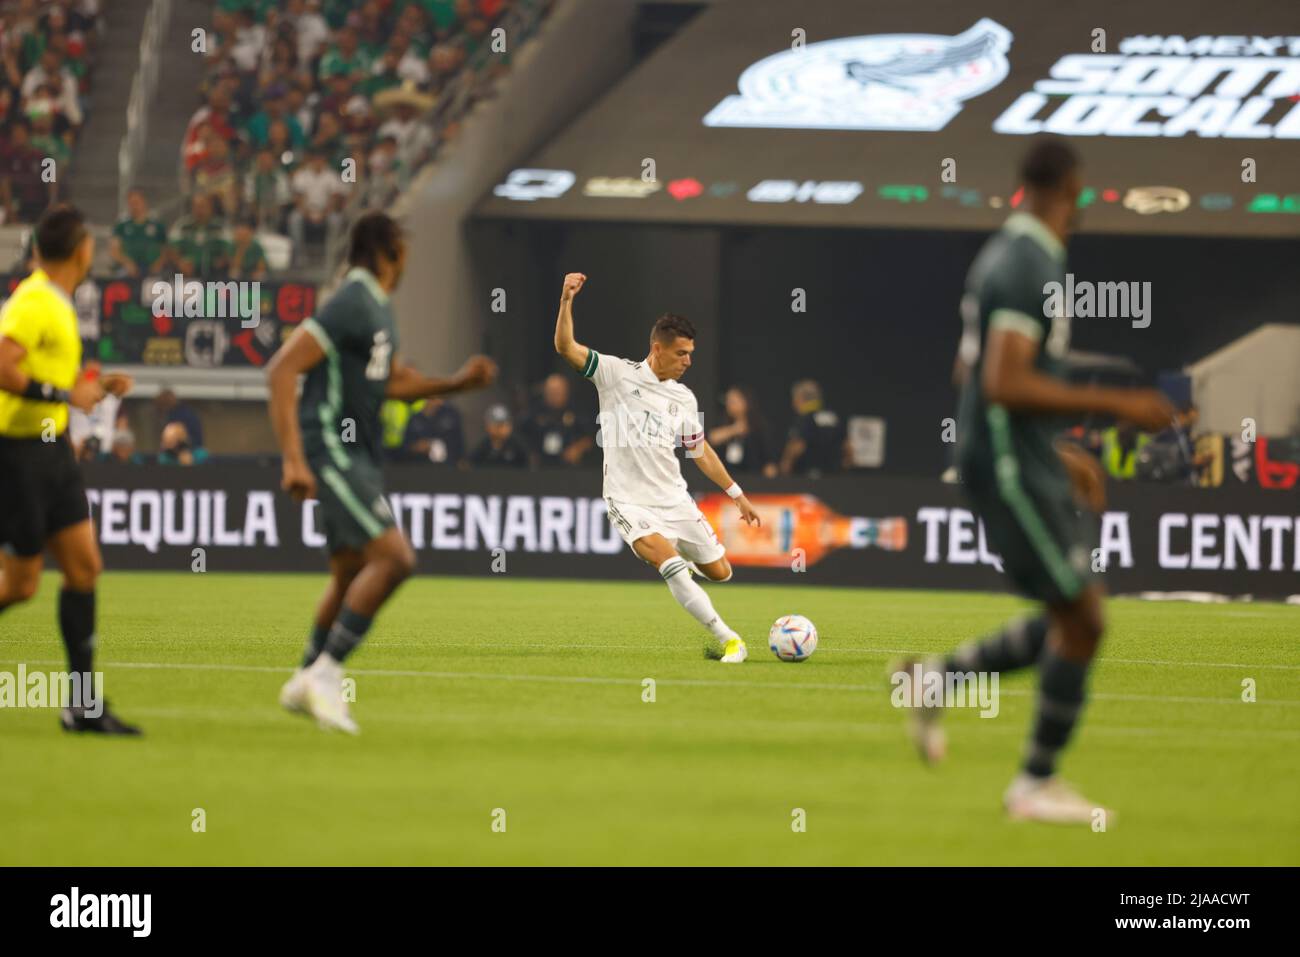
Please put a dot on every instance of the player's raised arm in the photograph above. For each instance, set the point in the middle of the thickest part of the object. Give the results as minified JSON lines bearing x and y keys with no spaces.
{"x":707,"y":459}
{"x":407,"y":384}
{"x":293,"y":359}
{"x":1011,"y":380}
{"x":574,"y":352}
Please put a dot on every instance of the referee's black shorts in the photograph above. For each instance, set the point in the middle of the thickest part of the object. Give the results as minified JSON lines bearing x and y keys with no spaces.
{"x":41,"y":492}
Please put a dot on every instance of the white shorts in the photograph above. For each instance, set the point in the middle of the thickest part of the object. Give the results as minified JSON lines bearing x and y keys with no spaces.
{"x":683,"y":525}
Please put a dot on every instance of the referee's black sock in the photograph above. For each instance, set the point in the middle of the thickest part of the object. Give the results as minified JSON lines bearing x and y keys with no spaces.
{"x":77,"y":623}
{"x":347,"y":632}
{"x":315,"y":644}
{"x":1019,"y":645}
{"x":1062,"y":687}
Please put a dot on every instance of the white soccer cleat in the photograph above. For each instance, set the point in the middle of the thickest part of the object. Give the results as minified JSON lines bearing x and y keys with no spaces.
{"x":923,"y":724}
{"x":324,"y":696}
{"x":734,"y":651}
{"x":293,"y":695}
{"x":1050,"y":800}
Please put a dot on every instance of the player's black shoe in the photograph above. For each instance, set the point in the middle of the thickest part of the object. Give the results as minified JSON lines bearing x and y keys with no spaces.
{"x":76,"y":719}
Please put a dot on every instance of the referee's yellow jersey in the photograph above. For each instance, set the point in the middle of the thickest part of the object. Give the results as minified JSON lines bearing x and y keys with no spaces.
{"x":40,"y":318}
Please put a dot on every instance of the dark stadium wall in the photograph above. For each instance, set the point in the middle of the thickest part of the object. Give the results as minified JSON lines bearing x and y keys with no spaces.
{"x":881,"y":320}
{"x":878,"y":330}
{"x":635,"y":273}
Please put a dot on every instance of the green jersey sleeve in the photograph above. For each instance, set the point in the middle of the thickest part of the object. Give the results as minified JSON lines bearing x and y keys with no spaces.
{"x":337,"y":326}
{"x":1017,"y":297}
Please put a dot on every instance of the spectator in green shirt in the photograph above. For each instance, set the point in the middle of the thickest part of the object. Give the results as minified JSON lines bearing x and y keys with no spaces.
{"x":44,"y":139}
{"x":345,"y":56}
{"x":247,"y":259}
{"x":384,"y":75}
{"x":275,"y":108}
{"x":197,"y":240}
{"x":441,"y":12}
{"x":266,"y":192}
{"x":30,"y":49}
{"x":138,"y":238}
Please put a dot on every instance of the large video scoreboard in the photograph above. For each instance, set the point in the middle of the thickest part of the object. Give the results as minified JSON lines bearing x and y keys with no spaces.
{"x":912,"y":113}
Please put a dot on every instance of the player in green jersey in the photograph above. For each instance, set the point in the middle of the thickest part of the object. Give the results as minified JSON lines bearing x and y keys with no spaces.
{"x":1030,"y":490}
{"x":331,"y":442}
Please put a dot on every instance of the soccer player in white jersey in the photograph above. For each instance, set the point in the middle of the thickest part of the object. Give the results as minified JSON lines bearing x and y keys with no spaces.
{"x":645,"y":414}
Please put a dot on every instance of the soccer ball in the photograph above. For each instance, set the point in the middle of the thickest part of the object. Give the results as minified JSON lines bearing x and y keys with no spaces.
{"x":793,"y":638}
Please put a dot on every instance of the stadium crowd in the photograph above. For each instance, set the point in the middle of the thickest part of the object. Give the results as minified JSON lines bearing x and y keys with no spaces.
{"x":47,"y":56}
{"x":310,"y":106}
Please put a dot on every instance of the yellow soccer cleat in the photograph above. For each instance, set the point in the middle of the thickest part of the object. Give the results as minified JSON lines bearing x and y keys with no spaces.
{"x":734,"y":651}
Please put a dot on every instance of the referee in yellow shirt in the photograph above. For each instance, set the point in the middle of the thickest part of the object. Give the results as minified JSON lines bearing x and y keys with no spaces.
{"x":42,"y":498}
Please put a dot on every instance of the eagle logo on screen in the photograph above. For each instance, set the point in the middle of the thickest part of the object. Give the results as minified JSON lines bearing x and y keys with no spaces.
{"x":893,"y":81}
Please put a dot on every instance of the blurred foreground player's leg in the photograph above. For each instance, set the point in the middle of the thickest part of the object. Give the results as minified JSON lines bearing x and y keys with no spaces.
{"x":1027,"y":489}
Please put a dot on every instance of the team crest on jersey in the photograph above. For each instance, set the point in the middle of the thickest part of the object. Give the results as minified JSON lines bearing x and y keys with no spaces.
{"x":672,"y":408}
{"x":892,"y":81}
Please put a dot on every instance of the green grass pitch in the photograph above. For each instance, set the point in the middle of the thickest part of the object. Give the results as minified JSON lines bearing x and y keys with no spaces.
{"x":526,"y":696}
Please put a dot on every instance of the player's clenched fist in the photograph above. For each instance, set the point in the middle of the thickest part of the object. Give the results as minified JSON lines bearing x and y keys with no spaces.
{"x":478,"y":372}
{"x":572,"y":285}
{"x":118,"y":384}
{"x":1148,"y":409}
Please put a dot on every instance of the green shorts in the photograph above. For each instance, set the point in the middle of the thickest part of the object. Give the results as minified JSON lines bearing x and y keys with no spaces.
{"x":1044,"y":541}
{"x":353,"y":510}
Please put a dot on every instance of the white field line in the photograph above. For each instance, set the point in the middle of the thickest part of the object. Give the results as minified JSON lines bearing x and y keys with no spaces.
{"x":520,"y":646}
{"x":270,"y":716}
{"x":591,"y":680}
